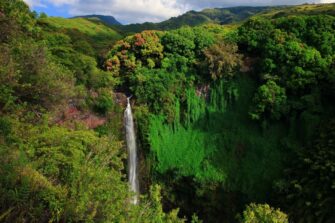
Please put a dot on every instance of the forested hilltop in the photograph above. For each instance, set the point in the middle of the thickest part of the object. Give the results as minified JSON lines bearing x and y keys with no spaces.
{"x":235,"y":123}
{"x":231,"y":15}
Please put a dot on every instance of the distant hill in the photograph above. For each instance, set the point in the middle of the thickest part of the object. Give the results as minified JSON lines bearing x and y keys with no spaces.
{"x":109,"y":20}
{"x":194,"y":18}
{"x":305,"y":9}
{"x":228,"y":15}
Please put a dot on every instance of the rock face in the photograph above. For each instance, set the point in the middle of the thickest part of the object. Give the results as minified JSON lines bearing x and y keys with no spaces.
{"x":121,"y":99}
{"x":248,"y":64}
{"x":72,"y":115}
{"x":203,"y":91}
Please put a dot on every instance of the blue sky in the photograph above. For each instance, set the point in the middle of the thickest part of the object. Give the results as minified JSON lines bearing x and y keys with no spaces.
{"x":138,"y":11}
{"x":51,"y":10}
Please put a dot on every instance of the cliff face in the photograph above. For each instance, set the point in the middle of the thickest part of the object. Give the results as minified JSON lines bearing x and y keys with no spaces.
{"x":72,"y":116}
{"x":120,"y":99}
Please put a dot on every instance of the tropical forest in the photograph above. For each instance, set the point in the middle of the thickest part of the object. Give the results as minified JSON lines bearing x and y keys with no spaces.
{"x":225,"y":115}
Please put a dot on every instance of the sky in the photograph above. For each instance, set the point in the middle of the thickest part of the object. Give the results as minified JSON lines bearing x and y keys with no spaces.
{"x":138,"y":11}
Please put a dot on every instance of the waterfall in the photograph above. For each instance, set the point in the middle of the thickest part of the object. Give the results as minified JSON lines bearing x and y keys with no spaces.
{"x":132,"y":152}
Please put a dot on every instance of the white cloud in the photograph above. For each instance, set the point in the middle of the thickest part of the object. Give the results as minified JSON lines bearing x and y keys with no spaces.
{"x":34,"y":3}
{"x":29,"y":2}
{"x":137,"y":11}
{"x":131,"y":10}
{"x":63,"y":2}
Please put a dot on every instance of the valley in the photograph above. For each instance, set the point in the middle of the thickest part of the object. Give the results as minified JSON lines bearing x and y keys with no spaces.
{"x":219,"y":115}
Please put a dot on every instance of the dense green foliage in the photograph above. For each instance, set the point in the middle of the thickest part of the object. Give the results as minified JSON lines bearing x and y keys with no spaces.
{"x":263,"y":213}
{"x":218,"y":143}
{"x":45,"y":169}
{"x":310,"y":182}
{"x":269,"y":99}
{"x":222,"y":60}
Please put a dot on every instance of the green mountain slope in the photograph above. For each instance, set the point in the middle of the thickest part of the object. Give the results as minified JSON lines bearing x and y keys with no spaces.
{"x":96,"y":33}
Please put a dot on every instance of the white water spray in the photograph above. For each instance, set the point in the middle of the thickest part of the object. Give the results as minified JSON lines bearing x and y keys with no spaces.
{"x":132,"y":152}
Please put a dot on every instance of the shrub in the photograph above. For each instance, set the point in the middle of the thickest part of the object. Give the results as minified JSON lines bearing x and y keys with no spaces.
{"x":263,"y":213}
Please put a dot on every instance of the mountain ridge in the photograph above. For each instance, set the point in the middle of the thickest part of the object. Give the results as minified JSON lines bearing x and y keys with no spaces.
{"x":195,"y":18}
{"x":107,"y":19}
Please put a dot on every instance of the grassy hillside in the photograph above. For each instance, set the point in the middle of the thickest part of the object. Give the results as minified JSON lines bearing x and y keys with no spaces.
{"x":306,"y":9}
{"x":99,"y":35}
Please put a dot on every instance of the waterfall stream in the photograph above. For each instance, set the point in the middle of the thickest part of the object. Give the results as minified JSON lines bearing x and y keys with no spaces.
{"x":132,"y":152}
